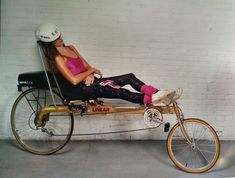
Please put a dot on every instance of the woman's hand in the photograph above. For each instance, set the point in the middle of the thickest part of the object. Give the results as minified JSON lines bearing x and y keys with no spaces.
{"x":98,"y":72}
{"x":89,"y":80}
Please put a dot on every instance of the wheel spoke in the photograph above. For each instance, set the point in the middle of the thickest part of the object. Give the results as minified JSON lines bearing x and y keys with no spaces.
{"x":39,"y":141}
{"x":181,"y":152}
{"x":202,"y":155}
{"x":206,"y":151}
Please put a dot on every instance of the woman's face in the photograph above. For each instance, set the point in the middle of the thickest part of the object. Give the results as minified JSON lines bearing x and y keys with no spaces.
{"x":58,"y":42}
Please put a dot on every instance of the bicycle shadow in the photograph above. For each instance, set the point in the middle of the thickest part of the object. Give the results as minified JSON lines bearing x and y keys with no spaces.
{"x":227,"y":153}
{"x":157,"y":149}
{"x":15,"y":145}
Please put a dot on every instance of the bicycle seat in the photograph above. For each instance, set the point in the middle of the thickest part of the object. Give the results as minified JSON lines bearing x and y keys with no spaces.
{"x":35,"y":79}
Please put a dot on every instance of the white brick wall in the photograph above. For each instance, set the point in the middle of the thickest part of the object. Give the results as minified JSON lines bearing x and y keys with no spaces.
{"x":168,"y":43}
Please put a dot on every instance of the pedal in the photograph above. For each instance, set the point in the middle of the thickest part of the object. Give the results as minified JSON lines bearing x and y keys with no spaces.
{"x":99,"y":102}
{"x":95,"y":102}
{"x":78,"y":107}
{"x":167,"y":127}
{"x":91,"y":102}
{"x":82,"y":108}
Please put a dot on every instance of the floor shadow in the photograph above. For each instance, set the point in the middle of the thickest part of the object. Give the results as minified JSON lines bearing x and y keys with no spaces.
{"x":157,"y":149}
{"x":227,"y":155}
{"x":13,"y":143}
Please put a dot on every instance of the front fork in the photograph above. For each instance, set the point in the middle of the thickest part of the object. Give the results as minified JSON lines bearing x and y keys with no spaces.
{"x":180,"y":119}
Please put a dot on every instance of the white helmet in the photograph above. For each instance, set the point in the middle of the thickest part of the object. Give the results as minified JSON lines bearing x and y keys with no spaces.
{"x":47,"y":32}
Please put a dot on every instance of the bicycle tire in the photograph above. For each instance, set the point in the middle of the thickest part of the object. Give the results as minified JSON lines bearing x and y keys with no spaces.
{"x":39,"y":140}
{"x":205,"y":147}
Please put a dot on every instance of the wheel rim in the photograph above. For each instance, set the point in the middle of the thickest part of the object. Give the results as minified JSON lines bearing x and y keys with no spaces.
{"x":201,"y":154}
{"x":55,"y":130}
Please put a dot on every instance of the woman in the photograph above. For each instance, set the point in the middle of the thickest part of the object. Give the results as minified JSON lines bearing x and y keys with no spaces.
{"x":77,"y":78}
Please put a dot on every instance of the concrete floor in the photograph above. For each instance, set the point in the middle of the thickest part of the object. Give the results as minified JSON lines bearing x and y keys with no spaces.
{"x":105,"y":159}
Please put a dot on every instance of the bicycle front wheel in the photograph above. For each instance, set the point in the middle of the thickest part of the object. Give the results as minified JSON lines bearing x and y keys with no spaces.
{"x":198,"y":156}
{"x":55,"y":130}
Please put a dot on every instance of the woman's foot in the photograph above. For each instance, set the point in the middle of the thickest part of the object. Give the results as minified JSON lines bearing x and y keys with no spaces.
{"x":163,"y":95}
{"x":178,"y":93}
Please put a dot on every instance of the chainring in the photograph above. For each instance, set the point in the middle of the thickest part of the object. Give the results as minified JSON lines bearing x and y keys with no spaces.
{"x":153,"y":117}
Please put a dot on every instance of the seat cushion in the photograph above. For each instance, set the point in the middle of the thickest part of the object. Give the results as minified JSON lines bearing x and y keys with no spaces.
{"x":35,"y":79}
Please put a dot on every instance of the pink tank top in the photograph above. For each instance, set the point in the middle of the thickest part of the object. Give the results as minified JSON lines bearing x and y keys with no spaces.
{"x":75,"y":65}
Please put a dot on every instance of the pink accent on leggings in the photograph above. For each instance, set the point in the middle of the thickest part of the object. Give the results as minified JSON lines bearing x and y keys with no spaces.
{"x":109,"y":83}
{"x":148,"y":90}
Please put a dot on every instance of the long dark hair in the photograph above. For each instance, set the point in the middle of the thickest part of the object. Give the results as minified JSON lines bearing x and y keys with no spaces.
{"x":50,"y":53}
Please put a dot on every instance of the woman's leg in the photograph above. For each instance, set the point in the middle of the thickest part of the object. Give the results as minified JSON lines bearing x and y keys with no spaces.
{"x":126,"y":79}
{"x":132,"y":80}
{"x":97,"y":91}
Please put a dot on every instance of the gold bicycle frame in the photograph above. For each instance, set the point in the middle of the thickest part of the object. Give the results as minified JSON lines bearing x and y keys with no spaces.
{"x":108,"y":109}
{"x":180,"y":121}
{"x":100,"y":109}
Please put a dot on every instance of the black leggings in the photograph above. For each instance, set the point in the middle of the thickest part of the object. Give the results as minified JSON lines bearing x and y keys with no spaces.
{"x":97,"y":91}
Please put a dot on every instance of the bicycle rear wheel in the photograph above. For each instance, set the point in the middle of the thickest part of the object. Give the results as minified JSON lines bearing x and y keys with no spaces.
{"x":201,"y":154}
{"x":55,"y":131}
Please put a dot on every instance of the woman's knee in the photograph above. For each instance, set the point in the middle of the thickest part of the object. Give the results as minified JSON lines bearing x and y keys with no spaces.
{"x":131,"y":75}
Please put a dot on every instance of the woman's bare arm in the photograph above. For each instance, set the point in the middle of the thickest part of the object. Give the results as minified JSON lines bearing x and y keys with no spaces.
{"x":74,"y":79}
